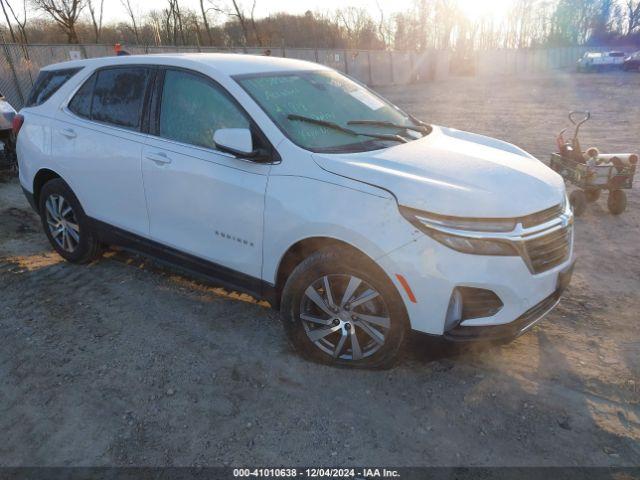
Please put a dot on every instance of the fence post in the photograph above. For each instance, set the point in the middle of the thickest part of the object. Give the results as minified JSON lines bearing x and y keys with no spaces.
{"x":13,"y":72}
{"x":346,"y":63}
{"x":412,"y":70}
{"x":369,"y":64}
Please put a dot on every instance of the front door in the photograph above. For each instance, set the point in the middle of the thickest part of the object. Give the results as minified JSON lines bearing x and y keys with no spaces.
{"x":202,"y":201}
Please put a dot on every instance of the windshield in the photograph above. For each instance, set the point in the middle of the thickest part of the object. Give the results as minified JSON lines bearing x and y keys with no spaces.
{"x":324,"y":111}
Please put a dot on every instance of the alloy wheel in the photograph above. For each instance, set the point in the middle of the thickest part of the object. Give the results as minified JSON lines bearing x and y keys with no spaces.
{"x":62,"y":223}
{"x":345,"y":317}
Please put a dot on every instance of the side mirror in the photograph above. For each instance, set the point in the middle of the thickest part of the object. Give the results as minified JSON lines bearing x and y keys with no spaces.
{"x":236,"y":141}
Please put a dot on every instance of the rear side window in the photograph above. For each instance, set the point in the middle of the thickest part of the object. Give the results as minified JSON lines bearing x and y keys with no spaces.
{"x":118,"y":96}
{"x":80,"y":104}
{"x":48,"y":83}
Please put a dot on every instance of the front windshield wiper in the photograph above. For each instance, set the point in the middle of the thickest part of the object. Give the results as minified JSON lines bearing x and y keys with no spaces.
{"x":424,"y":129}
{"x":348,"y":131}
{"x":420,"y":122}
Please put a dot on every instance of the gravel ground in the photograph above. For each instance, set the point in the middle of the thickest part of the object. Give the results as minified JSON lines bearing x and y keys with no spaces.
{"x":125,"y":362}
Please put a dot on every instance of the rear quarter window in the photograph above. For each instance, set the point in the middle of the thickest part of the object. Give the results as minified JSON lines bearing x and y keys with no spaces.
{"x":48,"y":83}
{"x":118,"y":96}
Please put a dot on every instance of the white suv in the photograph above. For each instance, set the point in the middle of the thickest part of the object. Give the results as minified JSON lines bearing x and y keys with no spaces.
{"x":291,"y":182}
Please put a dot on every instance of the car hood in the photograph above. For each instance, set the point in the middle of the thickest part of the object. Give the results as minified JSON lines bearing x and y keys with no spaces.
{"x":450,"y":172}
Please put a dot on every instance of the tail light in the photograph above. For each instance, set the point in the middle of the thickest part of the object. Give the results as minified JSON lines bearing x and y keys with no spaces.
{"x":16,"y":125}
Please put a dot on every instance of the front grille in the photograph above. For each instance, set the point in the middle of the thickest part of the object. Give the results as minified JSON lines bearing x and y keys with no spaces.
{"x":548,"y":251}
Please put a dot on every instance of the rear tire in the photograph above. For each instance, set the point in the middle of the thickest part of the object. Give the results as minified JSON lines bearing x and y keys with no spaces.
{"x":334,"y":325}
{"x":592,"y":195}
{"x":65,"y":223}
{"x":617,"y":202}
{"x":578,"y":200}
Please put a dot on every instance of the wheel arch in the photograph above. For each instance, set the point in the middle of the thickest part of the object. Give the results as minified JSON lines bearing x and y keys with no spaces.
{"x":301,"y":249}
{"x":43,"y":176}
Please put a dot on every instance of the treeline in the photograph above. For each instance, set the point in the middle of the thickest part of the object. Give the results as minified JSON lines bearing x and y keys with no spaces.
{"x":429,"y":24}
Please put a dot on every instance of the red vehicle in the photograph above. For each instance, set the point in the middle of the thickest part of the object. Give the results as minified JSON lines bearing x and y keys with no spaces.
{"x":7,"y":139}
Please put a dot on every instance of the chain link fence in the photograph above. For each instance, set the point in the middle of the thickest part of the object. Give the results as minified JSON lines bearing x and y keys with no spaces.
{"x":20,"y":63}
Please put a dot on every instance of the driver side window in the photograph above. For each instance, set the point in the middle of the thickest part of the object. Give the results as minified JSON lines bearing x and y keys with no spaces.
{"x":192,"y":109}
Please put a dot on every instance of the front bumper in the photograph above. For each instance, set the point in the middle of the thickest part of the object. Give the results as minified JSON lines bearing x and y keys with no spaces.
{"x":522,"y":324}
{"x":432,"y":272}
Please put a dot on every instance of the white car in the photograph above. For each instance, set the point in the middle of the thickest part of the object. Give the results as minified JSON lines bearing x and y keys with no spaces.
{"x":291,"y":182}
{"x":598,"y":61}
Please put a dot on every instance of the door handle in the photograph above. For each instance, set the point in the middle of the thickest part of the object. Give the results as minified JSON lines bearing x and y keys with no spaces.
{"x":160,"y":158}
{"x":68,"y":132}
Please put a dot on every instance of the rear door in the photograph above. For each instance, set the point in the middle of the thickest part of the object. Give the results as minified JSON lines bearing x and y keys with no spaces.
{"x":203,"y":201}
{"x":99,"y":140}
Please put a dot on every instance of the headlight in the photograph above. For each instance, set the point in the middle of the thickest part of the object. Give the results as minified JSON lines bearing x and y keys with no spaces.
{"x":462,"y":234}
{"x":474,"y":245}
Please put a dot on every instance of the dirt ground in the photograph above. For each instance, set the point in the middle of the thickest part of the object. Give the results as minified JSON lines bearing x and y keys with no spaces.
{"x":123,"y":362}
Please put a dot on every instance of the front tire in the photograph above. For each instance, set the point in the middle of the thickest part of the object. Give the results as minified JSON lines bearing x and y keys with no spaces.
{"x":617,"y":202}
{"x":339,"y":308}
{"x":65,"y":223}
{"x":578,"y":201}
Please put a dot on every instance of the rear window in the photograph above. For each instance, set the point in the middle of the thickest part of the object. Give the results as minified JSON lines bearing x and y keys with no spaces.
{"x":80,"y":104}
{"x":48,"y":83}
{"x":118,"y":96}
{"x":616,"y":54}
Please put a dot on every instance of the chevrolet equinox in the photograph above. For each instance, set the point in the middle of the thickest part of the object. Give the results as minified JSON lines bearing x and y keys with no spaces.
{"x":289,"y":181}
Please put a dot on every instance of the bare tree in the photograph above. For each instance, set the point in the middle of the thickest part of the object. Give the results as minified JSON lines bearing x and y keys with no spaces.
{"x":21,"y":20}
{"x":383,"y":28}
{"x":155,"y":19}
{"x":253,"y":24}
{"x":132,"y":15}
{"x":205,"y":21}
{"x":236,"y":10}
{"x":633,"y":15}
{"x":241,"y":18}
{"x":96,"y":17}
{"x":65,"y":13}
{"x":177,"y":19}
{"x":360,"y":29}
{"x":173,"y":23}
{"x":6,"y":16}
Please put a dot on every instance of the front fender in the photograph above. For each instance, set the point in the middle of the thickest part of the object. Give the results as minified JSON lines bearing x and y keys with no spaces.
{"x":298,"y":208}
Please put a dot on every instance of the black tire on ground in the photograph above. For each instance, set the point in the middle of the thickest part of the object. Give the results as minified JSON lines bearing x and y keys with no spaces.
{"x":341,"y":265}
{"x":578,"y":200}
{"x":617,"y":202}
{"x":87,"y":247}
{"x":592,"y":195}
